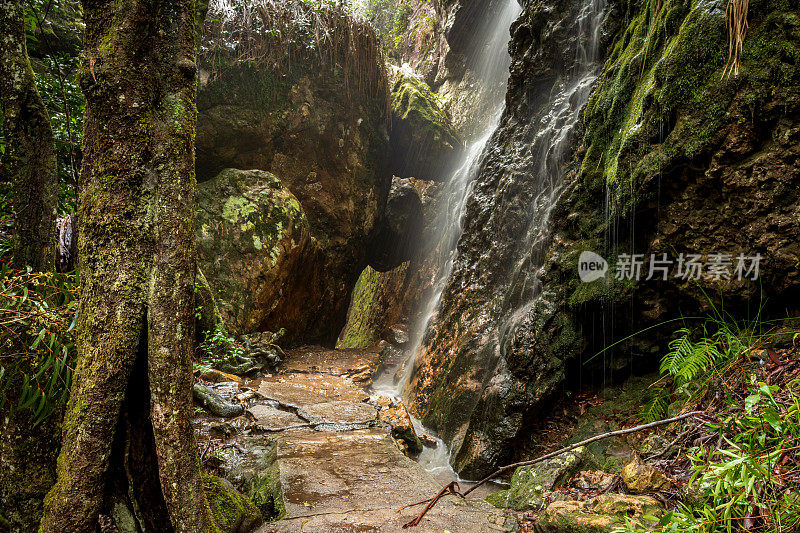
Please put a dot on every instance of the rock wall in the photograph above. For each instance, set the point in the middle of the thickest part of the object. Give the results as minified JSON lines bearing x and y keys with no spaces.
{"x":317,"y":121}
{"x":670,"y":156}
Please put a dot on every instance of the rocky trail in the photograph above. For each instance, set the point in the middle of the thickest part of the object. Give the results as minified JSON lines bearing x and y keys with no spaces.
{"x":321,"y":453}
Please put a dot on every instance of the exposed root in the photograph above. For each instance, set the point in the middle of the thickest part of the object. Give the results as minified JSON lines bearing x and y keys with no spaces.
{"x":737,"y":30}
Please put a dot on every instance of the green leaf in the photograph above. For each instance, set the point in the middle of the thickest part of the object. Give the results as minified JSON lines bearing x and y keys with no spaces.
{"x":773,"y":418}
{"x":751,"y":402}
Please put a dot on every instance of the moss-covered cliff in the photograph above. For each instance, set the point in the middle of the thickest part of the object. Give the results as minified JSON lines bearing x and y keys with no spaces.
{"x":669,"y":156}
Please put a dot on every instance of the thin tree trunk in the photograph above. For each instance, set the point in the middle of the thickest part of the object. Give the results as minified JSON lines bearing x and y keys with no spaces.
{"x":30,"y":152}
{"x":137,"y":249}
{"x":27,"y":454}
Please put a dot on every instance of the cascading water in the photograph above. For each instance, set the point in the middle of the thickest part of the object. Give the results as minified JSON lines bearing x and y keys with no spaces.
{"x":463,"y":381}
{"x":550,"y":148}
{"x":488,"y":65}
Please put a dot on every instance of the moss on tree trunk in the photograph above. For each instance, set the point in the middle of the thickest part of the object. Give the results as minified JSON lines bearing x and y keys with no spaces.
{"x":137,"y":247}
{"x":30,"y":157}
{"x":26,"y":453}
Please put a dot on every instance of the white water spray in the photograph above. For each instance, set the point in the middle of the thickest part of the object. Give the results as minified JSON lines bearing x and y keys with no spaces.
{"x":489,"y":64}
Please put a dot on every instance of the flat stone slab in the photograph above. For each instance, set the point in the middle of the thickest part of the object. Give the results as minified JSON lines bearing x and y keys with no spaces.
{"x":268,"y":418}
{"x":355,"y":481}
{"x":298,"y":390}
{"x":340,"y":416}
{"x":317,"y":359}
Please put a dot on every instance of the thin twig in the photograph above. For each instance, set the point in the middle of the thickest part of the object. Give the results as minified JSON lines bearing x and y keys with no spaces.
{"x":449,"y":488}
{"x":452,"y":488}
{"x":582,"y":443}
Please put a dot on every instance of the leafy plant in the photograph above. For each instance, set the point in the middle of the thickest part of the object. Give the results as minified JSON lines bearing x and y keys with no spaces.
{"x":219,"y":347}
{"x":38,"y":313}
{"x":695,"y":356}
{"x":750,"y":480}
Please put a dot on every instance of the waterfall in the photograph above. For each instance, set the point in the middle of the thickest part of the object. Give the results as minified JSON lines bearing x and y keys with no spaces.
{"x":550,"y":149}
{"x":487,"y":288}
{"x":489,"y":62}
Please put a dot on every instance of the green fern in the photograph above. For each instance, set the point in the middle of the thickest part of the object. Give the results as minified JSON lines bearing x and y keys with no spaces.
{"x":686,"y":358}
{"x":656,"y":408}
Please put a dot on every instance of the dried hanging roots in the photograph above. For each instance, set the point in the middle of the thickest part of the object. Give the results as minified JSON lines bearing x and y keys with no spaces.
{"x":737,"y":30}
{"x":271,"y":34}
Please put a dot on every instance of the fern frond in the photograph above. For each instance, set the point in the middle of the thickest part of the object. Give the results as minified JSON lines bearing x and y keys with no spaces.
{"x":656,"y":408}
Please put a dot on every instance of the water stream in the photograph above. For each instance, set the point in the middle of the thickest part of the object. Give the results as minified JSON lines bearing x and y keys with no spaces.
{"x":488,"y":63}
{"x":549,"y":149}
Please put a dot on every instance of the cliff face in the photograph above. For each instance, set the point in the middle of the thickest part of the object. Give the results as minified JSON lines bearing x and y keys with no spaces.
{"x":315,"y":118}
{"x":667,"y":156}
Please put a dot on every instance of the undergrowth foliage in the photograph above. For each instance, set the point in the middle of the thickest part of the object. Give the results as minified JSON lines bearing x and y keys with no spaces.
{"x":218,"y":347}
{"x":273,"y":34}
{"x":748,"y":478}
{"x":744,"y":462}
{"x":38,"y":314}
{"x":696,"y":356}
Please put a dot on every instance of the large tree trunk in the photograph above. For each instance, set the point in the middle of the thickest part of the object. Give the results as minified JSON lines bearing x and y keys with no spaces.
{"x":30,"y":155}
{"x":137,"y":267}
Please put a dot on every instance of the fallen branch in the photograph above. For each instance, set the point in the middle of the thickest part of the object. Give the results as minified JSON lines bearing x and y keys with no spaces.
{"x":449,"y":488}
{"x":452,"y":488}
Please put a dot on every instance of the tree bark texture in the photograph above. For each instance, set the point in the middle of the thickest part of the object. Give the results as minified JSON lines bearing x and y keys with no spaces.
{"x":137,"y":248}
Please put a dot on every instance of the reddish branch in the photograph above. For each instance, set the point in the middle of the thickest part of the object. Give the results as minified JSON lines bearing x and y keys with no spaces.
{"x":451,"y":488}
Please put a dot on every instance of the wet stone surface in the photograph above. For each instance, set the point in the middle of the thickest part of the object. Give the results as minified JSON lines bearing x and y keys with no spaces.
{"x":313,"y":435}
{"x":339,"y":416}
{"x":268,"y":418}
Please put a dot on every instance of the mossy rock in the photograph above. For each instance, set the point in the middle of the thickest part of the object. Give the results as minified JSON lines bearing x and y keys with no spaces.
{"x":232,"y":512}
{"x":601,"y":514}
{"x":257,"y":252}
{"x":530,"y":485}
{"x":423,"y":140}
{"x":641,"y":478}
{"x":498,"y":499}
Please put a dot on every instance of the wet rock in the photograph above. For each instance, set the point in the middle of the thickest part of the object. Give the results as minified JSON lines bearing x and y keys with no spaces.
{"x":428,"y":441}
{"x":600,"y":514}
{"x":240,"y":365}
{"x":396,"y":415}
{"x":298,"y":390}
{"x":392,"y":355}
{"x":397,"y":335}
{"x":321,"y":360}
{"x":594,"y":480}
{"x":423,"y":140}
{"x":530,"y":485}
{"x":381,"y":299}
{"x":610,"y":454}
{"x":355,"y":481}
{"x":290,"y":394}
{"x":224,"y":429}
{"x":262,"y":347}
{"x":268,"y":418}
{"x":252,"y":234}
{"x":667,"y":183}
{"x":498,"y":499}
{"x":216,"y":404}
{"x":217,"y":376}
{"x":397,"y":236}
{"x":309,"y":123}
{"x":361,"y":375}
{"x":641,"y":478}
{"x":232,"y":512}
{"x":339,"y":415}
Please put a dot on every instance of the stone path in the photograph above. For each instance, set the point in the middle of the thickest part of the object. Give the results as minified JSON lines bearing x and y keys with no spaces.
{"x":319,"y":438}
